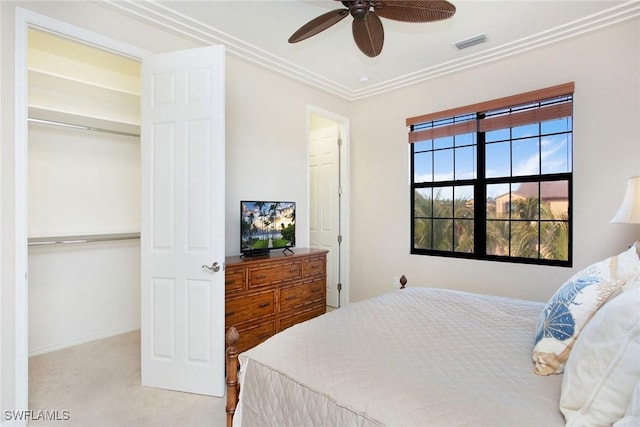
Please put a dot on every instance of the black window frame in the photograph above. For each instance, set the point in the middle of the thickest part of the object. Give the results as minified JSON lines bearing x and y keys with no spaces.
{"x":480,"y":183}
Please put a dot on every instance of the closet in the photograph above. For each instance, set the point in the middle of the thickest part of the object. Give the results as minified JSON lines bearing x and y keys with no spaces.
{"x":83,"y":193}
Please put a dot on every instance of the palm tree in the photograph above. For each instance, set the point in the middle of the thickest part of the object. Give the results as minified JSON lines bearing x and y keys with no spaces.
{"x":262,"y":214}
{"x":555,"y":238}
{"x":423,"y":207}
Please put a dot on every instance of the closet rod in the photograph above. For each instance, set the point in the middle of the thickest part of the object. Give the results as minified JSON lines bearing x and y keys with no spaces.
{"x":82,"y":127}
{"x":83,"y":238}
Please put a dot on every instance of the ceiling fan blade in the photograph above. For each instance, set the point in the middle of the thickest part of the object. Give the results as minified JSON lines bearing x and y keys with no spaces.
{"x":318,"y":24}
{"x":369,"y":34}
{"x":414,"y":11}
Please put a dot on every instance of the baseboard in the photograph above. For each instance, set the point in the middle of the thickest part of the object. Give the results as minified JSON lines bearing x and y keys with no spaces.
{"x":81,"y":340}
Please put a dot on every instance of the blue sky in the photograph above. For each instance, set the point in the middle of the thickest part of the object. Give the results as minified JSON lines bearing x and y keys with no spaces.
{"x":551,"y":152}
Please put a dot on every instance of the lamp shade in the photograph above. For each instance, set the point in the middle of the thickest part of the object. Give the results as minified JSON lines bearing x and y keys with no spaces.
{"x":629,"y":210}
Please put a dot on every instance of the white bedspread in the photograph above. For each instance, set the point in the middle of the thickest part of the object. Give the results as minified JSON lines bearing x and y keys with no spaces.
{"x":412,"y":357}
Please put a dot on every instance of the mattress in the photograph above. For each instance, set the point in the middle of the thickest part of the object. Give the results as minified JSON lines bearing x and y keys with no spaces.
{"x":412,"y":357}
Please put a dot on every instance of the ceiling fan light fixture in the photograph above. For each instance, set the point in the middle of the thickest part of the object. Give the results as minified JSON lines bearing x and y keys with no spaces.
{"x":463,"y":44}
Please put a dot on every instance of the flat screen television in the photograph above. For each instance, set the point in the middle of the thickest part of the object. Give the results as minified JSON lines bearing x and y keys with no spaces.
{"x":267,"y":225}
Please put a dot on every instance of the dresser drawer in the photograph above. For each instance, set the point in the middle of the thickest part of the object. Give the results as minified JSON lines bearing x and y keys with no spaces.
{"x":253,"y":335}
{"x":234,"y":279}
{"x":313,"y":266}
{"x":301,"y":316}
{"x":249,"y":307}
{"x":302,"y":294}
{"x":264,"y":276}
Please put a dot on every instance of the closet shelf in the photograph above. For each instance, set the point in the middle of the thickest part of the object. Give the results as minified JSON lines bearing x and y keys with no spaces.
{"x":82,"y":238}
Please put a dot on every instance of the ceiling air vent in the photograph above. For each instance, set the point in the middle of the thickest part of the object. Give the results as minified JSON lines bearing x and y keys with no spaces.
{"x":471,"y":42}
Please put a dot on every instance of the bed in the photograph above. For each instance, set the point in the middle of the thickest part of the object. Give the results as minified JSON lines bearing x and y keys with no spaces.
{"x":411,"y":357}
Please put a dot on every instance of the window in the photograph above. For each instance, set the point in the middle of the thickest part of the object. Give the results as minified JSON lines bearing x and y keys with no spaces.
{"x":494,"y":180}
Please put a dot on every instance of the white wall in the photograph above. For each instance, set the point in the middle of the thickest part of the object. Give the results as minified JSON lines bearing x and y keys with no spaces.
{"x":82,"y":292}
{"x":82,"y":182}
{"x":267,"y":153}
{"x":605,"y":66}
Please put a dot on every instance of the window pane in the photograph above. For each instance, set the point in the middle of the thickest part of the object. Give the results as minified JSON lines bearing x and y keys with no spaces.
{"x":498,"y":201}
{"x":465,"y":139}
{"x":463,"y":206}
{"x":498,"y":238}
{"x":444,"y":142}
{"x":555,"y":240}
{"x":422,"y":234}
{"x":465,"y":163}
{"x":423,"y":203}
{"x":423,"y":146}
{"x":525,"y":131}
{"x":498,"y":160}
{"x":555,"y":200}
{"x":497,"y":135}
{"x":556,"y":153}
{"x":526,"y":157}
{"x":443,"y":165}
{"x":443,"y":203}
{"x":422,"y":167}
{"x":463,"y":235}
{"x":443,"y":234}
{"x":525,"y":201}
{"x":555,"y":126}
{"x":524,"y":239}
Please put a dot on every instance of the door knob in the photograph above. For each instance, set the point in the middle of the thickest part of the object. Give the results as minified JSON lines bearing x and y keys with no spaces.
{"x":215,"y":267}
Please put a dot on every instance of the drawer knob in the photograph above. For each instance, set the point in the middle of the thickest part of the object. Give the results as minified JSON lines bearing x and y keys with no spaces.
{"x":264,"y":304}
{"x":229,"y":313}
{"x":293,"y":270}
{"x":290,"y":297}
{"x":260,"y":276}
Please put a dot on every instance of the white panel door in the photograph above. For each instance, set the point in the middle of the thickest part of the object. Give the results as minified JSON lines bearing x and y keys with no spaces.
{"x":324,"y":169}
{"x":182,"y":328}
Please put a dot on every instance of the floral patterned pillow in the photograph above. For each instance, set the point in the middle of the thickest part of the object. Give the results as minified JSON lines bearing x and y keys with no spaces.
{"x":573,"y":305}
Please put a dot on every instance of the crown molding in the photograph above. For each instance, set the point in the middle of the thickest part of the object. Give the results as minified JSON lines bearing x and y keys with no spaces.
{"x":161,"y":16}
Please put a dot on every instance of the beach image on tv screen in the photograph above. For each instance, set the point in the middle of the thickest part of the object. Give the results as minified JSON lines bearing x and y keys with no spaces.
{"x":267,"y":225}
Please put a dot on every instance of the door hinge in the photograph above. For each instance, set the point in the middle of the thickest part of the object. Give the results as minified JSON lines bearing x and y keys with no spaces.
{"x":339,"y":238}
{"x":339,"y":287}
{"x":339,"y":142}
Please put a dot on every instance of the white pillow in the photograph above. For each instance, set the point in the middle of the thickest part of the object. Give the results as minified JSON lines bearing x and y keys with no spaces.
{"x":574,"y":304}
{"x":632,"y":416}
{"x":604,"y":367}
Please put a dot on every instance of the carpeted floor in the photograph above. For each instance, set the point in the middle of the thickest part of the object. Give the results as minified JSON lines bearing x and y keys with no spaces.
{"x":98,"y":384}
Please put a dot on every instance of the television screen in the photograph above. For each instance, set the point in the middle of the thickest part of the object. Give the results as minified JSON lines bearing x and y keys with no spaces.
{"x":266,"y":225}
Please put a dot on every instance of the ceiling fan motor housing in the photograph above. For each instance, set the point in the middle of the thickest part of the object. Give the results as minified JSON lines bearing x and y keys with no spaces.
{"x":358,"y":9}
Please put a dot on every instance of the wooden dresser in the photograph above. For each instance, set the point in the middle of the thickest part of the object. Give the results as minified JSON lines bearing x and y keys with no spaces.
{"x":266,"y":295}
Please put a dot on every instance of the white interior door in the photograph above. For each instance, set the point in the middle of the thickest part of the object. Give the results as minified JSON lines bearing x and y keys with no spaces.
{"x":324,"y":170}
{"x":182,"y":327}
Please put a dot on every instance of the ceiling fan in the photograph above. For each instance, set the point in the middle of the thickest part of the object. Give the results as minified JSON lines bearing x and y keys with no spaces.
{"x":367,"y":29}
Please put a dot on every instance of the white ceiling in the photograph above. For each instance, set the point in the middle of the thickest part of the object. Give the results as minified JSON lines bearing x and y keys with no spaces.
{"x":258,"y":31}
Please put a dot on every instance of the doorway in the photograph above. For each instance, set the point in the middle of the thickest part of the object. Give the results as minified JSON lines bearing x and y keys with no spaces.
{"x":196,"y":98}
{"x":328,"y":136}
{"x":83,"y":190}
{"x":25,"y":21}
